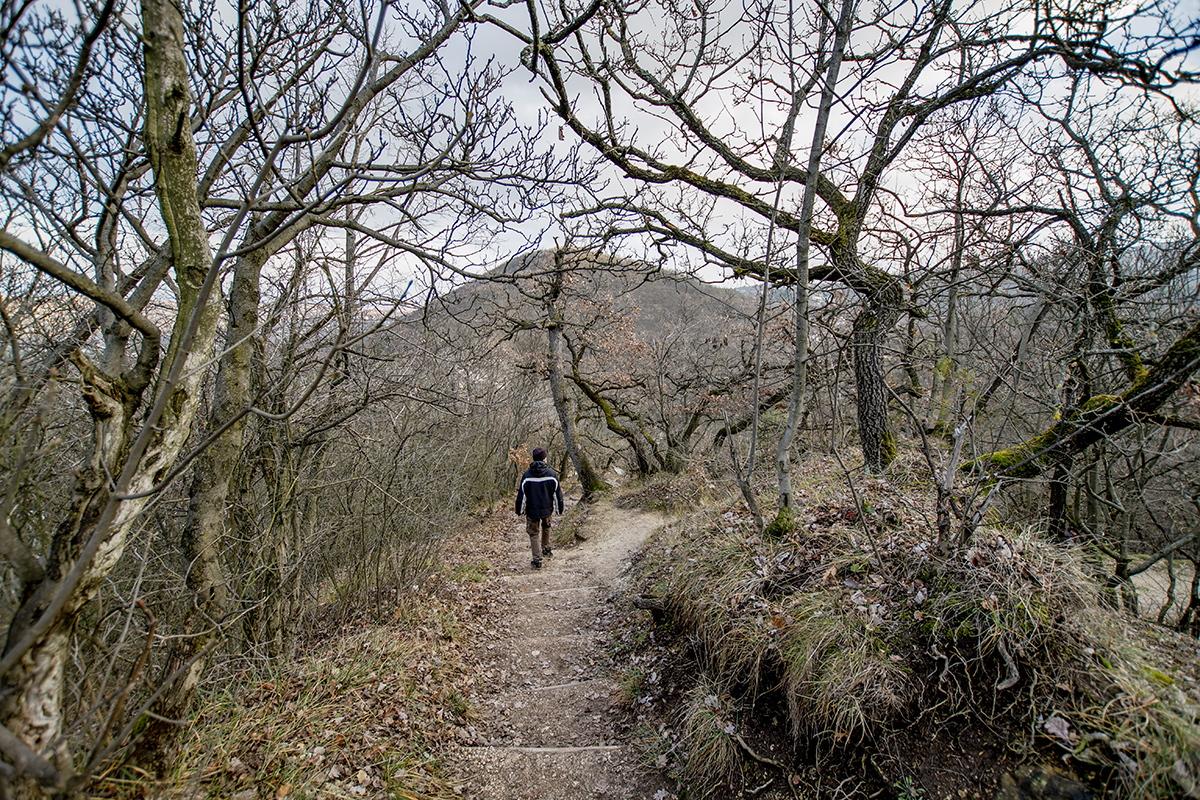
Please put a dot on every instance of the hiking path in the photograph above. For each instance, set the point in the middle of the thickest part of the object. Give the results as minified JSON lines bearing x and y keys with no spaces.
{"x":548,"y":721}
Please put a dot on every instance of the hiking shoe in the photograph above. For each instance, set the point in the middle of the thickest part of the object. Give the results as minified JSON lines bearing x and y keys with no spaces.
{"x":536,"y":563}
{"x":546,"y":551}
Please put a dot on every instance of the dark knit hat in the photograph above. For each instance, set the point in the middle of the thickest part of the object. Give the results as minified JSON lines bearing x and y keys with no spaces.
{"x":539,"y":454}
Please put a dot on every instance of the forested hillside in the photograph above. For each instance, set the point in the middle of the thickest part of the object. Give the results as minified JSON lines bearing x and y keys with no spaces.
{"x":895,"y":308}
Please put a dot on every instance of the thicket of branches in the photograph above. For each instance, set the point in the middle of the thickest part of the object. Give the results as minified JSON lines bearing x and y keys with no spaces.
{"x":263,"y":345}
{"x":1015,"y":186}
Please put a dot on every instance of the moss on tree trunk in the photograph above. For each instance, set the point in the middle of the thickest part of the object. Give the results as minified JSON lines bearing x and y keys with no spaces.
{"x":1101,"y":416}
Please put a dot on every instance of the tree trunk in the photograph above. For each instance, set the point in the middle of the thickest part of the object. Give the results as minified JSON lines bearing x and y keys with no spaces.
{"x":874,"y":428}
{"x":1189,"y":620}
{"x":882,"y":296}
{"x":908,"y":360}
{"x":33,"y":685}
{"x":645,"y":454}
{"x":201,"y":541}
{"x":91,"y":541}
{"x":803,"y":237}
{"x":589,"y":479}
{"x":947,"y":368}
{"x":1058,"y":501}
{"x":284,"y":548}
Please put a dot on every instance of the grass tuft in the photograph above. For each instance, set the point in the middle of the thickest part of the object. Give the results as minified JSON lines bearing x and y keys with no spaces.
{"x":707,"y":729}
{"x":840,"y":677}
{"x":631,"y":682}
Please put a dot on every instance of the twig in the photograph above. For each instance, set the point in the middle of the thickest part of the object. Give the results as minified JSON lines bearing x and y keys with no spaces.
{"x":770,"y":762}
{"x":99,"y":751}
{"x":969,"y":527}
{"x":940,"y":657}
{"x":743,"y":482}
{"x":750,"y":751}
{"x":755,"y":792}
{"x":943,"y":483}
{"x":1013,"y":674}
{"x":859,"y":509}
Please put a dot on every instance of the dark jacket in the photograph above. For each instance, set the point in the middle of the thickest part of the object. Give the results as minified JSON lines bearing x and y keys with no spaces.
{"x":539,"y":494}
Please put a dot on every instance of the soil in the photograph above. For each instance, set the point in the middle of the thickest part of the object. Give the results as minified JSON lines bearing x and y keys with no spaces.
{"x":549,"y":720}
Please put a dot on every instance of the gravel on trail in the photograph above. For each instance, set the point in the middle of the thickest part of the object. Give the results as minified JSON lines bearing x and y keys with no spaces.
{"x":547,"y":722}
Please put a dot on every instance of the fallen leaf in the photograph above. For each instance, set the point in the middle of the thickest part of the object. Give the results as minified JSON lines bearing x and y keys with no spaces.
{"x":1059,"y":727}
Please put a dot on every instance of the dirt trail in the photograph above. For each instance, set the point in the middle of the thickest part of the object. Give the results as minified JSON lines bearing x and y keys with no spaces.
{"x":549,"y":726}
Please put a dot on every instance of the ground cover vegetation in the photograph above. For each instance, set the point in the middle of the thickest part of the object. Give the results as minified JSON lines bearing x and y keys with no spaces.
{"x":287,"y":293}
{"x":846,"y":651}
{"x":379,"y":688}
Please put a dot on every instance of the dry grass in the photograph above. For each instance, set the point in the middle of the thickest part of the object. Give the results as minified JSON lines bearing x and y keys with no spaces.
{"x":840,"y":678}
{"x":365,"y":713}
{"x":1142,"y":725}
{"x":864,"y":633}
{"x":707,"y":729}
{"x":670,"y":494}
{"x":315,"y":733}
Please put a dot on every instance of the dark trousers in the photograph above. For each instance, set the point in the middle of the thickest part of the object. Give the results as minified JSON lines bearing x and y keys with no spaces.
{"x":538,"y":541}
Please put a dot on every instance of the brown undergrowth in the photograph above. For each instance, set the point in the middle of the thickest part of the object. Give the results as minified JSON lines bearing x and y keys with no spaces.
{"x":850,"y":630}
{"x":365,"y":710}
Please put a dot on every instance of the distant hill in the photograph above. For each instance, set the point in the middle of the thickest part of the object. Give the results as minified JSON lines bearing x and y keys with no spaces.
{"x":514,"y":295}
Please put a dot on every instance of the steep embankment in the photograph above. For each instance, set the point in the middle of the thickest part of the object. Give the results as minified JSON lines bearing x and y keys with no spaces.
{"x":547,"y":718}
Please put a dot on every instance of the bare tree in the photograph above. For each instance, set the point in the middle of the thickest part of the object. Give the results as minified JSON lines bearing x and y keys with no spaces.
{"x":648,"y":376}
{"x":702,"y":163}
{"x":1106,"y":250}
{"x":589,"y":478}
{"x":251,"y":136}
{"x":129,"y":456}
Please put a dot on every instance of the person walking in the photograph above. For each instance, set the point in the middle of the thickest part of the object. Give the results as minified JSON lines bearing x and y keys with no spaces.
{"x":538,"y":497}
